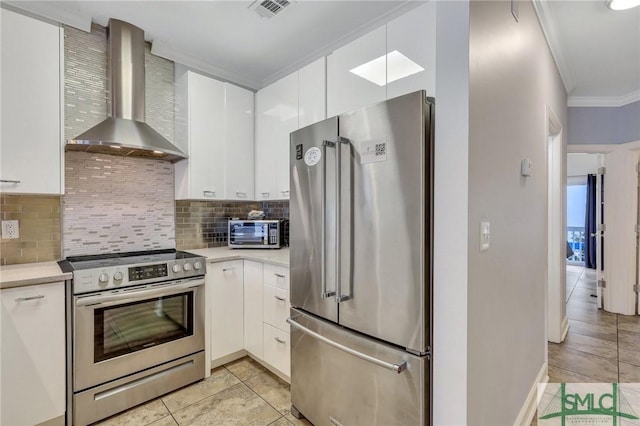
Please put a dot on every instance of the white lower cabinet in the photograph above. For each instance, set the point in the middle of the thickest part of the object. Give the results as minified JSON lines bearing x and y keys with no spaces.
{"x":225,"y":280}
{"x":253,"y":340}
{"x":277,"y":350}
{"x":32,"y":372}
{"x":248,"y":309}
{"x":275,"y":306}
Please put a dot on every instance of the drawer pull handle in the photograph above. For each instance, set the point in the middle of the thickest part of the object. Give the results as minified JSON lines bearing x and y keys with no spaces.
{"x":227,"y":269}
{"x":209,"y":193}
{"x":279,"y":275}
{"x":265,"y":194}
{"x":279,"y":340}
{"x":241,"y":194}
{"x":25,"y":299}
{"x":285,"y":192}
{"x":282,"y":299}
{"x":9,"y":181}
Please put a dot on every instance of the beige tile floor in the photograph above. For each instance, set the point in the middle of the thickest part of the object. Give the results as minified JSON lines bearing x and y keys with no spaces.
{"x":600,"y":346}
{"x":239,"y":393}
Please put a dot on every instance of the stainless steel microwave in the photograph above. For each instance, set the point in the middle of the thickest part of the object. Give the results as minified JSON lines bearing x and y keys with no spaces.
{"x":255,"y":234}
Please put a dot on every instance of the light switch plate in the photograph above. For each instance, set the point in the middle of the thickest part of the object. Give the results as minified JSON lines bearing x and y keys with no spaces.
{"x":485,"y":235}
{"x":10,"y":229}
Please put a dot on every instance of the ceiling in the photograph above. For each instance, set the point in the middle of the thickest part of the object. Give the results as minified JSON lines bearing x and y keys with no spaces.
{"x":227,"y":38}
{"x":597,"y":50}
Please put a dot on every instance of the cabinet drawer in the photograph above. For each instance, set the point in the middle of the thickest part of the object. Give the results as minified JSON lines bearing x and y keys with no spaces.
{"x":277,"y":276}
{"x":276,"y":349}
{"x":275,"y":306}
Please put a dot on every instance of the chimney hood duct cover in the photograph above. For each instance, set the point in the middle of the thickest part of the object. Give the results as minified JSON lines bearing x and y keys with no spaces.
{"x":125,"y":132}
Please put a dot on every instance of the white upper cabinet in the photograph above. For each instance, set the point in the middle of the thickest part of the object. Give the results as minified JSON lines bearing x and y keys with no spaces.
{"x":356,"y":73}
{"x":214,"y":125}
{"x":239,"y":143}
{"x":31,"y":138}
{"x":411,"y":48}
{"x":290,"y":103}
{"x":312,"y":105}
{"x":276,"y":118}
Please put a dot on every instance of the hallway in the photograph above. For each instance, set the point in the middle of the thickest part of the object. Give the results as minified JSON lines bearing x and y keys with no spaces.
{"x":600,"y":346}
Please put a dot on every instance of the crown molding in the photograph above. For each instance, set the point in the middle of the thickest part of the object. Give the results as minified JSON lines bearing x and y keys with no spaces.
{"x":165,"y":50}
{"x":548,"y":24}
{"x":54,"y":13}
{"x":603,"y":101}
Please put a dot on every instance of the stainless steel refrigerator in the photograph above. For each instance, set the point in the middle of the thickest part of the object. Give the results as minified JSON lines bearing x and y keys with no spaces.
{"x":361,"y":265}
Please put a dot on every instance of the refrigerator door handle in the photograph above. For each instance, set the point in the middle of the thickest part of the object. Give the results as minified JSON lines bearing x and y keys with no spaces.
{"x":396,"y":368}
{"x":339,"y":296}
{"x":323,"y":273}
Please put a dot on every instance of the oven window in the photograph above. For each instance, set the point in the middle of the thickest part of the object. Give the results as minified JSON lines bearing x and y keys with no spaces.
{"x":127,"y":328}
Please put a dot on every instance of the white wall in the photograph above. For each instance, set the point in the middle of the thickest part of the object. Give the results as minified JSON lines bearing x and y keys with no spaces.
{"x":450,"y":214}
{"x":579,"y":164}
{"x":512,"y":80}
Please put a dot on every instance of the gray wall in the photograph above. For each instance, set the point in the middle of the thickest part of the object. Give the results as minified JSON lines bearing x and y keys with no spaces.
{"x":512,"y":77}
{"x":604,"y":125}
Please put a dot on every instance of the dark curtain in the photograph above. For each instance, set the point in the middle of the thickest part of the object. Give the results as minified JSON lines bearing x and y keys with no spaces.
{"x":590,"y":225}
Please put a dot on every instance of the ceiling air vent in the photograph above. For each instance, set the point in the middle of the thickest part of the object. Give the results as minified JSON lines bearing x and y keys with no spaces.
{"x":269,"y":8}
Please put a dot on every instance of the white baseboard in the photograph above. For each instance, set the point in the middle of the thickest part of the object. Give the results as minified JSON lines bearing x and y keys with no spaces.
{"x":226,"y":359}
{"x":525,"y":417}
{"x":565,"y":328}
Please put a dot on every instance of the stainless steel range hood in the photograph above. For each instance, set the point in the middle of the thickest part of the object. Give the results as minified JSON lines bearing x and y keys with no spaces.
{"x":125,"y":132}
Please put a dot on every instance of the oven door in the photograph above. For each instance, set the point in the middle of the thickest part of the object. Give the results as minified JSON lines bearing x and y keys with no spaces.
{"x":121,"y":333}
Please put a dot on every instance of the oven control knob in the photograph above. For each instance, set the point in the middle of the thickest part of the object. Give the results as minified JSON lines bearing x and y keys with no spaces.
{"x":118,"y":276}
{"x":187,"y":267}
{"x":176,"y":268}
{"x":103,"y":278}
{"x":197,"y":266}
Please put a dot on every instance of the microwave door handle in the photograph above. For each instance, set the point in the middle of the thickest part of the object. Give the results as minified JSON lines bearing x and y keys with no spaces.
{"x":137,"y":295}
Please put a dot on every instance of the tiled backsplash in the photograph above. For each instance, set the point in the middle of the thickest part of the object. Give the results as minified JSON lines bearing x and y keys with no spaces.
{"x":86,"y":87}
{"x":112,"y":203}
{"x":203,"y":224}
{"x":38,"y":219}
{"x":117,"y":204}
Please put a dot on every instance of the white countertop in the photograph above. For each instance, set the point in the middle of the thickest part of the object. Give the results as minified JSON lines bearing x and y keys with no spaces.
{"x":31,"y":274}
{"x":279,"y":257}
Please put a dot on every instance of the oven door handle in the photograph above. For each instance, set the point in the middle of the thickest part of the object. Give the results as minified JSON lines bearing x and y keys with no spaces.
{"x":136,"y":295}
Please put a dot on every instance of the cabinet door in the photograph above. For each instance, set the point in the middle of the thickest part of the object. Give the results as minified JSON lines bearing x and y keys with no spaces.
{"x":412,"y":37}
{"x":239,"y":143}
{"x":276,"y":118}
{"x":312,"y":93}
{"x":31,"y":120}
{"x":253,"y":340}
{"x":32,"y":372}
{"x":226,"y":281}
{"x":347,"y":90}
{"x":206,"y":137}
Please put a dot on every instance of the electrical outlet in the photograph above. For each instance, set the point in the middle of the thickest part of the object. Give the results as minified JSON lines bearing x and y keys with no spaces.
{"x":10,"y":229}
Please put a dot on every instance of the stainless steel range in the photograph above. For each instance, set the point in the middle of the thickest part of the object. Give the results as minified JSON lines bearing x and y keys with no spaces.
{"x":136,"y":322}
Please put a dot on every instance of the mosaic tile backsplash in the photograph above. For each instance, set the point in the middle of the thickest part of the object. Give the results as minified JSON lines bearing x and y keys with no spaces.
{"x":203,"y":224}
{"x":117,"y":204}
{"x":86,"y":84}
{"x":38,"y":219}
{"x":111,"y":203}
